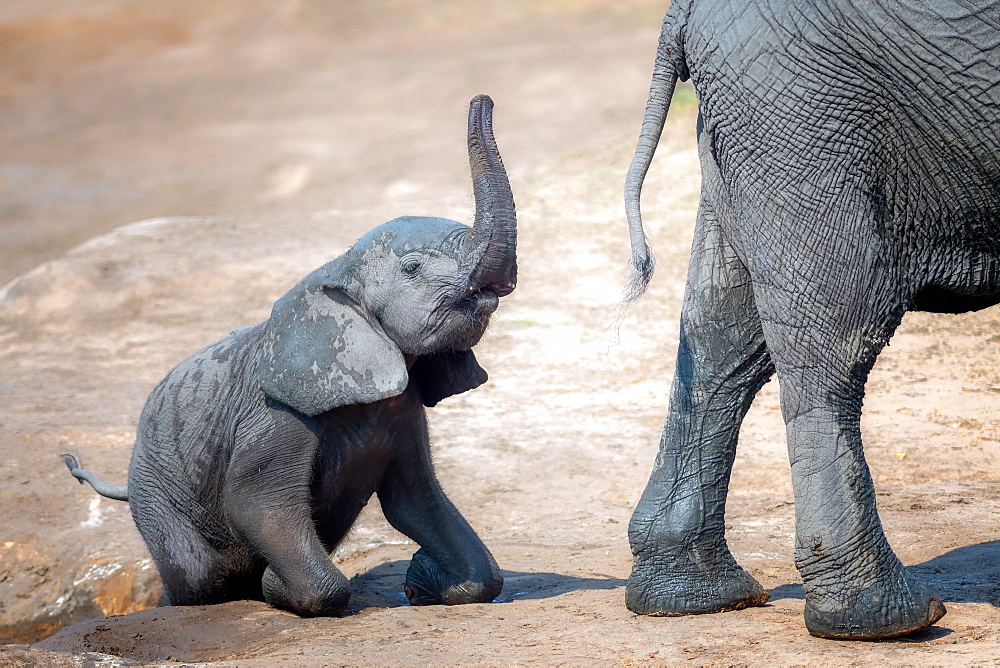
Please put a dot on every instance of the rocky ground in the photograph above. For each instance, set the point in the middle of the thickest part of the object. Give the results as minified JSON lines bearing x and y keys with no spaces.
{"x":262,"y":139}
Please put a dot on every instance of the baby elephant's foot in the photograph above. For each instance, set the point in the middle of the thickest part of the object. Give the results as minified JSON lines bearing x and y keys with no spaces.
{"x":893,"y":606}
{"x":669,"y":587}
{"x":325,"y":595}
{"x":427,"y":583}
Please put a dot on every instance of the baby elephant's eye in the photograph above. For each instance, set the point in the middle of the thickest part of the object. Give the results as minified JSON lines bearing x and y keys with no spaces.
{"x":411,"y":266}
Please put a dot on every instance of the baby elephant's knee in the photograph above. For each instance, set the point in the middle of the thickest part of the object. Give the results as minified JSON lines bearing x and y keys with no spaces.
{"x":324,"y":596}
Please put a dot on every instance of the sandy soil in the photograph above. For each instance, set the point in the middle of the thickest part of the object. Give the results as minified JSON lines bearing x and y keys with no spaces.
{"x":294,"y":128}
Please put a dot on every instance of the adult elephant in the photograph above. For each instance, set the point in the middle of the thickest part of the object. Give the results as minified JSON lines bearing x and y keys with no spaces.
{"x":850,"y":172}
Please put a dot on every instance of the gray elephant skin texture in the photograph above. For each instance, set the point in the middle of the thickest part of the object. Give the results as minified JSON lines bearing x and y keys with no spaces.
{"x":254,"y":457}
{"x":850,"y":172}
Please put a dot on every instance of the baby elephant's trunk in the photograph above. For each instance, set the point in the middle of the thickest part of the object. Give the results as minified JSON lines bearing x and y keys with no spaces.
{"x":491,"y":249}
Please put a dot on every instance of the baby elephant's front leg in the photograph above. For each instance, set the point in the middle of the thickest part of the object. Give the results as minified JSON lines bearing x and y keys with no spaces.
{"x":429,"y":582}
{"x":299,"y":577}
{"x":316,"y":592}
{"x":452,"y":565}
{"x":269,"y":507}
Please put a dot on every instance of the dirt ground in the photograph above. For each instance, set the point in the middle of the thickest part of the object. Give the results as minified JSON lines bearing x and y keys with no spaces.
{"x":261,"y":139}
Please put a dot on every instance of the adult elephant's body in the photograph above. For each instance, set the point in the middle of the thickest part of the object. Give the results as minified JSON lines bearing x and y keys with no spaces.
{"x":851,"y":172}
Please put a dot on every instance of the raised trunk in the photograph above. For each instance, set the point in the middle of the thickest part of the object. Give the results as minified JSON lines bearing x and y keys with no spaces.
{"x":491,"y":249}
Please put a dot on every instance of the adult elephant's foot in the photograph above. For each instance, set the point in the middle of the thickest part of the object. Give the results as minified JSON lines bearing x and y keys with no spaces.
{"x":682,"y":571}
{"x":668,"y":587}
{"x":894,"y":606}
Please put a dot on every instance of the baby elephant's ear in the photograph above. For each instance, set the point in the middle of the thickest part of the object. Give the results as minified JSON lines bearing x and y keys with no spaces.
{"x":441,"y":375}
{"x":320,"y":352}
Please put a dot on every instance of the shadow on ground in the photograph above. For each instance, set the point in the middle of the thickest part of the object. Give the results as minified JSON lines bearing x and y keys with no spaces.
{"x":382,"y":586}
{"x":250,"y":628}
{"x":968,"y":574}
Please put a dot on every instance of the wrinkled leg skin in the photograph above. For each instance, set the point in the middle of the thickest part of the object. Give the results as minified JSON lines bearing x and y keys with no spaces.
{"x":280,"y":527}
{"x":798,"y":312}
{"x":681,"y":563}
{"x":856,"y":587}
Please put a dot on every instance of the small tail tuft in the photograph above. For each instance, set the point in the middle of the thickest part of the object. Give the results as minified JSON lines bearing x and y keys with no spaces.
{"x":72,"y":464}
{"x":640,"y":273}
{"x":101,"y":487}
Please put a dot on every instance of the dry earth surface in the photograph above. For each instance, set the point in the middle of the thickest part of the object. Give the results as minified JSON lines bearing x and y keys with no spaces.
{"x":263,"y":138}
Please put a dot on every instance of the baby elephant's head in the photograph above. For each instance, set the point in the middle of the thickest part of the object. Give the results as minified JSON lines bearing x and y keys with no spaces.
{"x":414,"y":286}
{"x":425,"y":283}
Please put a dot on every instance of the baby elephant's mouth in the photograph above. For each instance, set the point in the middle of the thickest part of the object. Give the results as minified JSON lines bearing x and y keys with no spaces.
{"x":472,"y":311}
{"x":484,"y":301}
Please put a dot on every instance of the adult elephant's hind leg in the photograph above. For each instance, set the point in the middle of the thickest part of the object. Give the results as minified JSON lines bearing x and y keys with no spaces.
{"x":824,"y":331}
{"x":681,"y":563}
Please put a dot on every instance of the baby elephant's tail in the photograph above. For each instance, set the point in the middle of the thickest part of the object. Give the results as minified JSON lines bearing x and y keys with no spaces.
{"x":101,"y":487}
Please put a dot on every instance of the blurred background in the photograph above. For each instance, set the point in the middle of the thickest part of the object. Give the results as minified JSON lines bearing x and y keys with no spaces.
{"x":112,"y":111}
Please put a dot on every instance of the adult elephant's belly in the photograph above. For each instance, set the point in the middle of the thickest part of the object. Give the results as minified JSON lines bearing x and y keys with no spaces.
{"x":962,"y":278}
{"x":948,"y":300}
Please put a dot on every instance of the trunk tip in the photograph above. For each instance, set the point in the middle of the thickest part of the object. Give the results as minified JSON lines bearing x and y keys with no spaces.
{"x":480,"y":100}
{"x":480,"y":113}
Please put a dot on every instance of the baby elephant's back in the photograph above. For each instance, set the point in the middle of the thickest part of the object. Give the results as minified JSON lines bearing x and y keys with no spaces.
{"x":185,"y":432}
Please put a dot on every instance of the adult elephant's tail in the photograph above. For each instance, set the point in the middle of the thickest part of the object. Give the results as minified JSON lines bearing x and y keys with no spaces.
{"x":669,"y":67}
{"x":101,"y":487}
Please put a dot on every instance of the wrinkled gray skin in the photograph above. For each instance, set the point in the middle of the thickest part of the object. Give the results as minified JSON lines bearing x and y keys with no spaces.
{"x":254,"y":457}
{"x":849,"y":156}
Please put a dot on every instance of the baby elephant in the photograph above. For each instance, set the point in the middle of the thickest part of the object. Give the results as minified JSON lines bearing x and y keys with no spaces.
{"x":254,"y":457}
